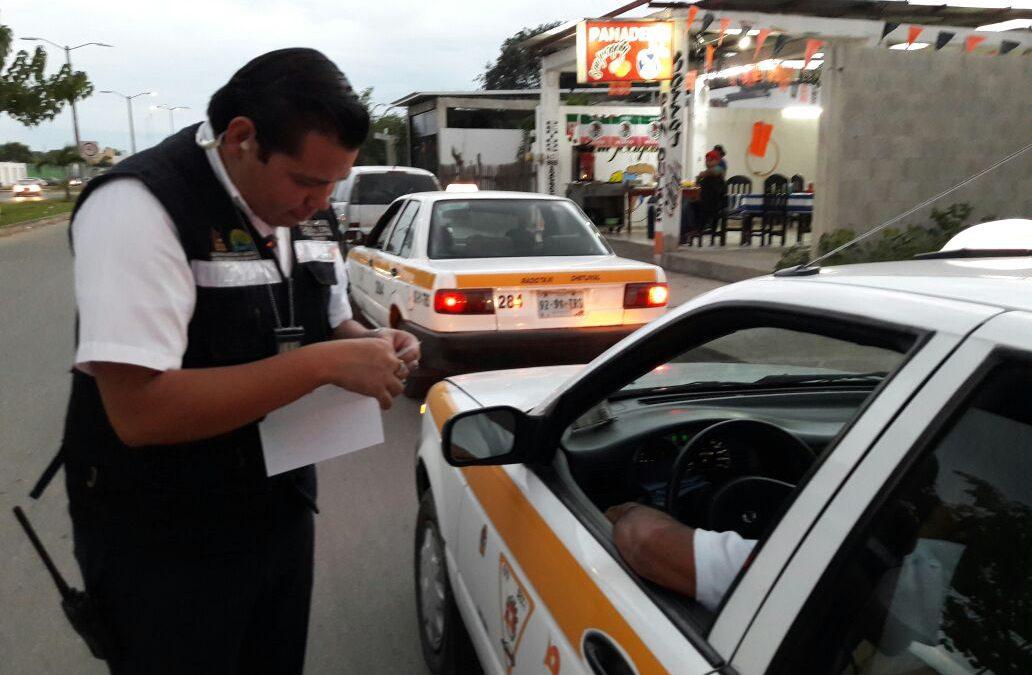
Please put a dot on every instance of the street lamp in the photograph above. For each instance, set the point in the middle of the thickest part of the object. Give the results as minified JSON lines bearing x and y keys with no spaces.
{"x":129,"y":107}
{"x":68,"y":59}
{"x":171,"y":109}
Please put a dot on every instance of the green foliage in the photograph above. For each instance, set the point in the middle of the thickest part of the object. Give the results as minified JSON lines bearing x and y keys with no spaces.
{"x":13,"y":213}
{"x":515,"y":67}
{"x":374,"y":150}
{"x":27,"y":93}
{"x":16,"y":152}
{"x":889,"y":244}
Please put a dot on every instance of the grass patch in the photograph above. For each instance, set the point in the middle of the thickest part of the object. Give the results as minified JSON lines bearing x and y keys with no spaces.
{"x":12,"y":213}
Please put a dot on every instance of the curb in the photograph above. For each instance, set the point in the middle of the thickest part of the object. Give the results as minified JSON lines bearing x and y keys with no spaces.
{"x":685,"y":263}
{"x":34,"y":224}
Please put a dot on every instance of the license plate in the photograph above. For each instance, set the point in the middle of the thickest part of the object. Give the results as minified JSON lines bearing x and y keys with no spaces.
{"x":552,"y":304}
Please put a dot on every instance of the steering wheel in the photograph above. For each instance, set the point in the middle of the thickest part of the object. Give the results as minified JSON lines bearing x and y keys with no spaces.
{"x":746,"y":503}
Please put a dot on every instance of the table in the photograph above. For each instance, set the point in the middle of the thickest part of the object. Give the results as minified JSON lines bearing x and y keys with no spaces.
{"x":800,"y":205}
{"x":798,"y":202}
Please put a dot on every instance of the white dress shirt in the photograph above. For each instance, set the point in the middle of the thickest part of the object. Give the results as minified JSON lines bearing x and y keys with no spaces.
{"x":134,"y":287}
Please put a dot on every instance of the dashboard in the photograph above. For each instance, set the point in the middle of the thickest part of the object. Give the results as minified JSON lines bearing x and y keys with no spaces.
{"x":629,"y":450}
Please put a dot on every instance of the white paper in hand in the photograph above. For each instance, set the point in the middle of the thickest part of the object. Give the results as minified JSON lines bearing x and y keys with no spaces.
{"x":326,"y":423}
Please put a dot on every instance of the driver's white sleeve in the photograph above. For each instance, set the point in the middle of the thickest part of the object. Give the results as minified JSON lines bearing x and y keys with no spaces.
{"x":718,"y":558}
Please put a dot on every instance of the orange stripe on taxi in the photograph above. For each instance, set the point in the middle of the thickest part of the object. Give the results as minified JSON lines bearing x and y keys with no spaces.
{"x":554,"y":278}
{"x":568,"y":592}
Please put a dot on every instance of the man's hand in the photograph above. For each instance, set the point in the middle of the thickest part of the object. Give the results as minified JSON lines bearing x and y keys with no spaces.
{"x":655,"y":545}
{"x":405,"y":345}
{"x":364,"y":365}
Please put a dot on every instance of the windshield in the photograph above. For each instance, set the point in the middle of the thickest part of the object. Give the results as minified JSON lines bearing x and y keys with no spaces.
{"x":770,"y":357}
{"x":384,"y":188}
{"x":501,"y":228}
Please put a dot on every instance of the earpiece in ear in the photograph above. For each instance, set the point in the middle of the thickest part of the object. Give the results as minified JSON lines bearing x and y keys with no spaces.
{"x":245,"y":145}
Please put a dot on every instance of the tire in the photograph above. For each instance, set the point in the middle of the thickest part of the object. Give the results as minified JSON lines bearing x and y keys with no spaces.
{"x":446,"y":646}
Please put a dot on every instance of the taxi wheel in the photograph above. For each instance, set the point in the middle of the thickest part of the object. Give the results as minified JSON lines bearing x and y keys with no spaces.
{"x":442,"y":635}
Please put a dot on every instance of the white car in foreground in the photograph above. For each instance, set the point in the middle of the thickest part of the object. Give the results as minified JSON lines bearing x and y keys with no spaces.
{"x":869,"y":425}
{"x":499,"y":279}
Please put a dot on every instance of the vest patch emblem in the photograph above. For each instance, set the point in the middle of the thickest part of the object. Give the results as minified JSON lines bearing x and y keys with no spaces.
{"x":217,"y":244}
{"x":240,"y":241}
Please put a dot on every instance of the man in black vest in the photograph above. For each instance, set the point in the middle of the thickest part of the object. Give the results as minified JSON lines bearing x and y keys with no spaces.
{"x":207,"y":299}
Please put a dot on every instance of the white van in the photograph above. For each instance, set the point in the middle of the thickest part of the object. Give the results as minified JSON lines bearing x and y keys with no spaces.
{"x":359,"y":200}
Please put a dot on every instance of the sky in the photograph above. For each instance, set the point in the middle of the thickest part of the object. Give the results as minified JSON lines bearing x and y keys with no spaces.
{"x":186,"y":50}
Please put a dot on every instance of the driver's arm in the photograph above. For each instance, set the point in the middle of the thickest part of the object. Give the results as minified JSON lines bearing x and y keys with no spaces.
{"x":697,"y":563}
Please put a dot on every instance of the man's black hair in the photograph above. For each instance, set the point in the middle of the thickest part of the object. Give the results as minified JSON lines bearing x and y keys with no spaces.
{"x":288,"y":93}
{"x":720,"y":149}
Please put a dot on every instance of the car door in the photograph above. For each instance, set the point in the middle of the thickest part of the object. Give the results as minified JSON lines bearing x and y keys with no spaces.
{"x":388,"y":267}
{"x":919,"y":563}
{"x":362,"y":260}
{"x":549,"y":590}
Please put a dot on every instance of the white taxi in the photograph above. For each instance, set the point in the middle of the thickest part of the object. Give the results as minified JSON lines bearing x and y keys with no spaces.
{"x":499,"y":279}
{"x":867,"y":427}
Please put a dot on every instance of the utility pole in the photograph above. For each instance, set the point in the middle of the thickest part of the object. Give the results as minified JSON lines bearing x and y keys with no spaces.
{"x":68,"y":60}
{"x":129,"y":107}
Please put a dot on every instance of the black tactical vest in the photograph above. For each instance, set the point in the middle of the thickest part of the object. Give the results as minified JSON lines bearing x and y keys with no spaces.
{"x":213,"y":492}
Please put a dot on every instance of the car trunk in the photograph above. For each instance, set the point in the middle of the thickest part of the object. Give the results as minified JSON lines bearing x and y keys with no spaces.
{"x":551,"y":292}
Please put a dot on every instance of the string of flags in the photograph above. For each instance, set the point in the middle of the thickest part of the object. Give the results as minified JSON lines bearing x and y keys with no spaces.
{"x":784,"y":77}
{"x":944,"y":37}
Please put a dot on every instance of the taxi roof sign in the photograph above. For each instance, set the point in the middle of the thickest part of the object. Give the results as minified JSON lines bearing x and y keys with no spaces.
{"x":462,"y":187}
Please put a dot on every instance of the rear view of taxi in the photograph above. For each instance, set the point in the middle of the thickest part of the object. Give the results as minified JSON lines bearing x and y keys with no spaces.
{"x":499,"y":279}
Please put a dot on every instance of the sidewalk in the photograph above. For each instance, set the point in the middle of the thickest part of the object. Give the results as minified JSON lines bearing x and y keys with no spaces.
{"x":722,"y":263}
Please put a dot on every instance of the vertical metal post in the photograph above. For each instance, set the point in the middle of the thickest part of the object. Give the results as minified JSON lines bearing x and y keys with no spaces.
{"x":132,"y":131}
{"x":75,"y":113}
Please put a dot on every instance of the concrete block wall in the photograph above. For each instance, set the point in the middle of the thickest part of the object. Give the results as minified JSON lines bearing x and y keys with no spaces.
{"x":900,"y":127}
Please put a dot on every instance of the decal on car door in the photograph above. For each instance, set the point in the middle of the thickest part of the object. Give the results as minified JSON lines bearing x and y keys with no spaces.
{"x":517,"y":606}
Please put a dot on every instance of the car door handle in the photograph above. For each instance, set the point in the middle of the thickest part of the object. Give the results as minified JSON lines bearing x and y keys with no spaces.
{"x":603,"y":656}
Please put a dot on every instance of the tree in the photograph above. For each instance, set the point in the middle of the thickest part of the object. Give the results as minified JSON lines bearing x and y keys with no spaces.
{"x":65,"y":157}
{"x":27,"y":93}
{"x":16,"y":152}
{"x":515,"y":67}
{"x":374,"y":150}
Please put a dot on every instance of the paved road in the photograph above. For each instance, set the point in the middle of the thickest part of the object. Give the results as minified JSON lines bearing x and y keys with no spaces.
{"x":363,"y":613}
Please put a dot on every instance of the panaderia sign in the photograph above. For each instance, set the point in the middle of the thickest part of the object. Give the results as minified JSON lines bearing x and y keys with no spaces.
{"x":624,"y":51}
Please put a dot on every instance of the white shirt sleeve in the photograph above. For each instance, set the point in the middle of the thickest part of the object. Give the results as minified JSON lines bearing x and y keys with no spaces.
{"x":719,"y":556}
{"x":133,"y":284}
{"x":340,"y":308}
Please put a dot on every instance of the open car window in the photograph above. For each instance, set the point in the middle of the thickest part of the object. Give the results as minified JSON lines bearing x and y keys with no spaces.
{"x":718,"y":420}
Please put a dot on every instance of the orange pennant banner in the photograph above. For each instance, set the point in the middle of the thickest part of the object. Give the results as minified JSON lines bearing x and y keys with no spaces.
{"x":724,"y":24}
{"x":812,"y":47}
{"x":760,"y":39}
{"x":972,"y":42}
{"x":709,"y":57}
{"x":619,"y":88}
{"x":692,"y":13}
{"x":689,"y":80}
{"x":760,"y":138}
{"x":912,"y":34}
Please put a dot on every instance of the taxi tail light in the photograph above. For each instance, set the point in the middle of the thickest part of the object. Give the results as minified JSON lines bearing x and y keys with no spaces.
{"x":643,"y":296}
{"x":466,"y":301}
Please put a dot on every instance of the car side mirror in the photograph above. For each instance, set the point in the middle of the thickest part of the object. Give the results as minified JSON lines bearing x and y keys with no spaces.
{"x":498,"y":435}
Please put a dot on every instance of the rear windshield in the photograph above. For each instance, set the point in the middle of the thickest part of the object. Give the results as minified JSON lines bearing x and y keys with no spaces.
{"x":502,"y":228}
{"x":384,"y":188}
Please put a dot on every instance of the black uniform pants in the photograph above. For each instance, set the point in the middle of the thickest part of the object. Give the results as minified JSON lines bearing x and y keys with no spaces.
{"x":177,"y":610}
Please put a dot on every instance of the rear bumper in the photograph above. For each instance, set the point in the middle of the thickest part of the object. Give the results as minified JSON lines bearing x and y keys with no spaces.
{"x":468,"y":352}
